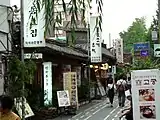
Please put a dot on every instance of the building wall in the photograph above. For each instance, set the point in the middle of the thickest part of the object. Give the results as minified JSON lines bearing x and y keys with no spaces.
{"x":4,"y":36}
{"x":5,"y":16}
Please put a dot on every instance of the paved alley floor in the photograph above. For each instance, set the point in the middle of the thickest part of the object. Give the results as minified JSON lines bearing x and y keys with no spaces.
{"x":99,"y":110}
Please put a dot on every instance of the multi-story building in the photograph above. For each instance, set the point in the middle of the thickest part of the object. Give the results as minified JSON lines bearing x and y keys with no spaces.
{"x":60,"y":33}
{"x":5,"y":38}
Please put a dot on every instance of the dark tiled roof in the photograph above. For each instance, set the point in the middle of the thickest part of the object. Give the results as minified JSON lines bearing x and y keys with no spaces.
{"x":65,"y":49}
{"x":104,"y":50}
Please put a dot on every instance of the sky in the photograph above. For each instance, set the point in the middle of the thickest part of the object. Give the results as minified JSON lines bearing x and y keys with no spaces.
{"x":118,"y":15}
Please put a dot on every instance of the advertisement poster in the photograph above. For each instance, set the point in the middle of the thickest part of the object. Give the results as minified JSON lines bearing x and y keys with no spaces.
{"x":47,"y":69}
{"x":146,"y":94}
{"x":63,"y":98}
{"x":70,"y":84}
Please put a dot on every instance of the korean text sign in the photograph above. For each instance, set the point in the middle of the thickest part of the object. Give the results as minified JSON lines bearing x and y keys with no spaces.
{"x":47,"y":69}
{"x":33,"y":24}
{"x":146,"y":94}
{"x":95,"y":41}
{"x":70,"y":84}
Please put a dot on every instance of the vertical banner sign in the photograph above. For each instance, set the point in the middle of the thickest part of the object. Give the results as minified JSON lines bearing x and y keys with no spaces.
{"x":95,"y":41}
{"x":33,"y":24}
{"x":70,"y":84}
{"x":146,"y":94}
{"x":119,"y":50}
{"x":47,"y":69}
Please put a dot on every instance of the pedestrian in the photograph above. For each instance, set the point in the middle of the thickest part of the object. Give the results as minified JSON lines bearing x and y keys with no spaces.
{"x":121,"y":88}
{"x":6,"y":105}
{"x":129,"y":111}
{"x":129,"y":83}
{"x":110,"y":85}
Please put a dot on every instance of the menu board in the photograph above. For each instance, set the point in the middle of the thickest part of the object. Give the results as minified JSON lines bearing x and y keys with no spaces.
{"x":146,"y":94}
{"x":63,"y":98}
{"x":70,"y":84}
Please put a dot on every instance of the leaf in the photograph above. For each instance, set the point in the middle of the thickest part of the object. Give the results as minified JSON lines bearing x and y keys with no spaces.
{"x":64,"y":6}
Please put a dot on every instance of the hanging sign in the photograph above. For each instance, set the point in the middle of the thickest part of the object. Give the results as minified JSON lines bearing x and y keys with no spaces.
{"x":95,"y":41}
{"x":154,"y":35}
{"x":146,"y":94}
{"x":33,"y":24}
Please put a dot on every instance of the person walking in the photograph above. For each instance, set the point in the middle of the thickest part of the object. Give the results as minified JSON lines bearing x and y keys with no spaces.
{"x":110,"y":85}
{"x":121,"y":88}
{"x":129,"y":111}
{"x":6,"y":105}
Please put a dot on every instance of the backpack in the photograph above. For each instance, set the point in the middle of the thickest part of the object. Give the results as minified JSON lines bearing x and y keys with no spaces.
{"x":121,"y":87}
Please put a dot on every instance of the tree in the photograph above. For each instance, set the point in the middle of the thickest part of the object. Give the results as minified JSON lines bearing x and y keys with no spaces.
{"x":74,"y":8}
{"x":135,"y":33}
{"x":145,"y":64}
{"x":19,"y":73}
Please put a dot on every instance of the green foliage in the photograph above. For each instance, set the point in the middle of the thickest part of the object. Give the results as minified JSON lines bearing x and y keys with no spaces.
{"x":137,"y":32}
{"x":146,"y":64}
{"x":19,"y":73}
{"x":75,"y":9}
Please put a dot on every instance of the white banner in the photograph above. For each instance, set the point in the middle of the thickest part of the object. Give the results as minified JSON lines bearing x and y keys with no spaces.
{"x":146,"y":94}
{"x":47,"y":69}
{"x":33,"y":25}
{"x":95,"y":41}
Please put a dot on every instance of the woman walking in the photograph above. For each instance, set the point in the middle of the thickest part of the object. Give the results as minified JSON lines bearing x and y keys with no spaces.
{"x":110,"y":85}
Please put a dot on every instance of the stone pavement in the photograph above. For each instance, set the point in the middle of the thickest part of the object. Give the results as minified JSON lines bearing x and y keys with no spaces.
{"x":96,"y":110}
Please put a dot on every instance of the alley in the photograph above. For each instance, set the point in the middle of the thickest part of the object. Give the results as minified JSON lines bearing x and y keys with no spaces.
{"x":98,"y":111}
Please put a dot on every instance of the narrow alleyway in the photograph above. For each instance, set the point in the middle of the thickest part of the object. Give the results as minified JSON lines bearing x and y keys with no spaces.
{"x":100,"y":110}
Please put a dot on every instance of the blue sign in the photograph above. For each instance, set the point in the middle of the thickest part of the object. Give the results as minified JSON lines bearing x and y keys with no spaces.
{"x":144,"y":53}
{"x":141,"y":46}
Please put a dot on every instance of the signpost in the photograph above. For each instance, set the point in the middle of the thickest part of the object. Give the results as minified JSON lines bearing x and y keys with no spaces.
{"x":146,"y":94}
{"x":141,"y":50}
